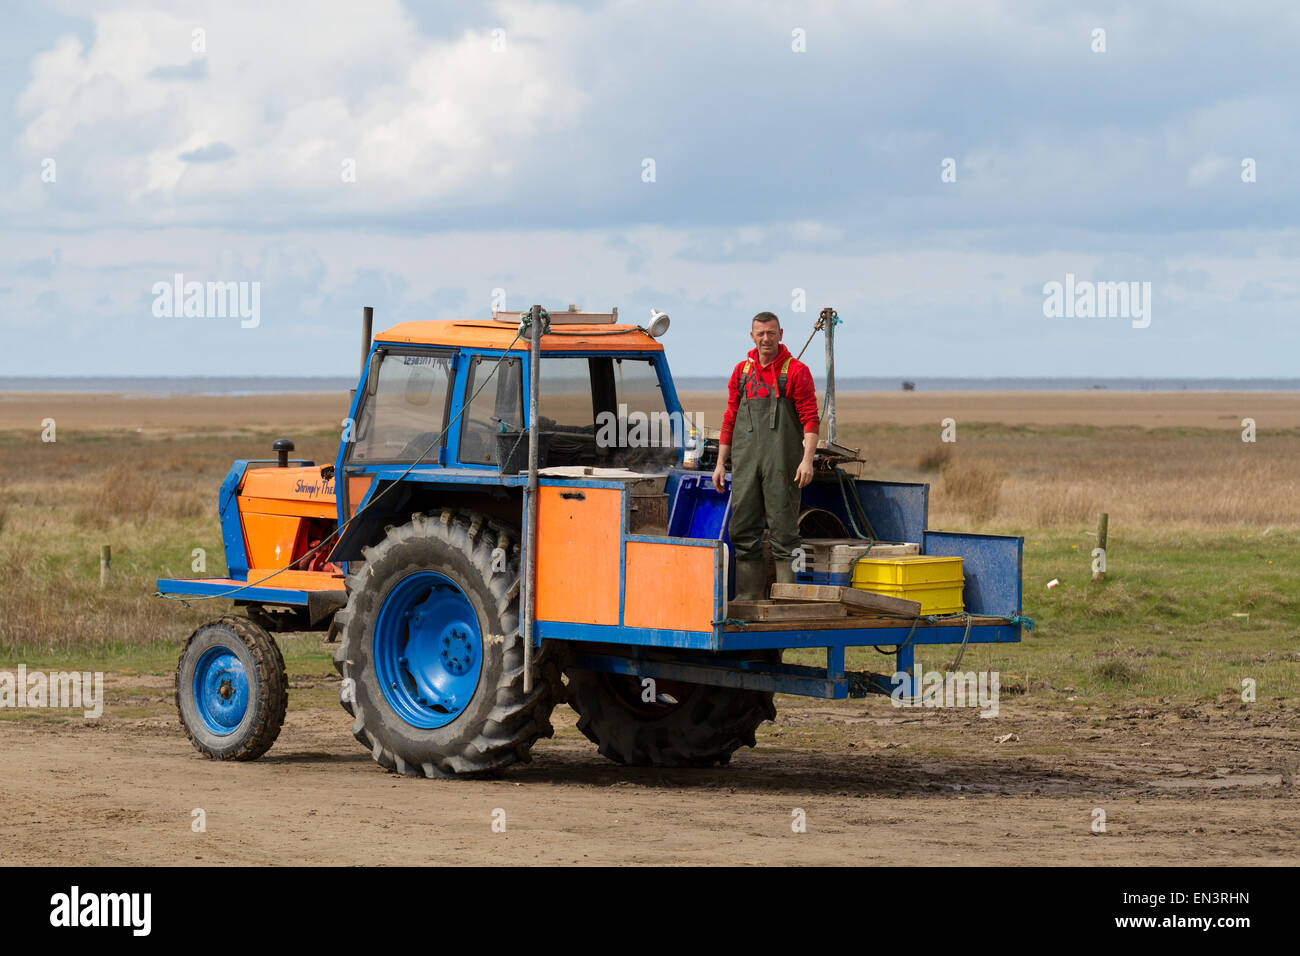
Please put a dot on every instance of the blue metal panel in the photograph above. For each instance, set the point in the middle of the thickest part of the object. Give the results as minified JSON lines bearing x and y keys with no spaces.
{"x":897,"y":510}
{"x":559,"y":481}
{"x":437,"y":475}
{"x":991,"y":564}
{"x":668,"y":539}
{"x":257,"y":595}
{"x":615,"y":634}
{"x":862,"y":637}
{"x":232,"y":531}
{"x":460,"y":364}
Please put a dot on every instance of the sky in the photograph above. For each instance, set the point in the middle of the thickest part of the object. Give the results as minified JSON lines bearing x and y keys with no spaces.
{"x":927,"y":169}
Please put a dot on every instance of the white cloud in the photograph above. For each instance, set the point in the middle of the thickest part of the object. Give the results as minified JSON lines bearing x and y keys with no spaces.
{"x":291,"y":95}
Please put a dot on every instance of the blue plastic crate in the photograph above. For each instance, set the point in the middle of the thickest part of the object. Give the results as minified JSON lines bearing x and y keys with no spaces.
{"x":699,"y":511}
{"x":838,"y":579}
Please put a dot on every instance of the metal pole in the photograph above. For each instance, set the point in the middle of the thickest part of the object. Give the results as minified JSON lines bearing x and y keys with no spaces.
{"x":530,"y":496}
{"x":828,"y":318}
{"x":367,"y":325}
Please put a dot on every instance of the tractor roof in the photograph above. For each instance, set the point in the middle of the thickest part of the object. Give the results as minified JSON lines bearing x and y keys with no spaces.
{"x":498,"y":335}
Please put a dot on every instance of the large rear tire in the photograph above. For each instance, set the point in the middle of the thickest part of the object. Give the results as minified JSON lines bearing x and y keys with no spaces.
{"x":231,"y":689}
{"x":688,"y":725}
{"x":431,"y":655}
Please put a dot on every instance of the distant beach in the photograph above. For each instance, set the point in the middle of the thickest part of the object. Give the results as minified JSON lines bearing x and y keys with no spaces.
{"x":235,"y":386}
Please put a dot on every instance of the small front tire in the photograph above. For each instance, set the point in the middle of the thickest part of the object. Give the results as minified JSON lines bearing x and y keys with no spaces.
{"x":231,"y":689}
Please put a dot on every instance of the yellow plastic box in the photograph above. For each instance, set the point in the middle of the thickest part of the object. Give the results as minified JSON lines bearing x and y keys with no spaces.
{"x":936,"y":582}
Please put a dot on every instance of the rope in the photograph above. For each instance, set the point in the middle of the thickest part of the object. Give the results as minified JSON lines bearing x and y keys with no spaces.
{"x":898,"y":649}
{"x":962,"y":650}
{"x":333,"y":535}
{"x":854,"y":507}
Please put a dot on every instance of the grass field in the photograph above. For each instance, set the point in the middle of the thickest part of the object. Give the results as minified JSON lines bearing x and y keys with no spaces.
{"x":1203,"y":558}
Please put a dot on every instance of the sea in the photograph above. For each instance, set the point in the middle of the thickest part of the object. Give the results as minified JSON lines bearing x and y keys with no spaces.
{"x":150,"y":387}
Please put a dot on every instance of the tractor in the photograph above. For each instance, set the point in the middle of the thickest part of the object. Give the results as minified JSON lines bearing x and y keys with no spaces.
{"x":521,"y":514}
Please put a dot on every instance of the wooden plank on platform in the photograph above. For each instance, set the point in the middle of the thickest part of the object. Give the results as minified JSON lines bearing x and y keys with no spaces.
{"x":772,"y":611}
{"x":855,"y":599}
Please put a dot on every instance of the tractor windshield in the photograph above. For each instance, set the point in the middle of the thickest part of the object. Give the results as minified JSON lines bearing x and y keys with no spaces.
{"x":402,"y":419}
{"x":608,"y":412}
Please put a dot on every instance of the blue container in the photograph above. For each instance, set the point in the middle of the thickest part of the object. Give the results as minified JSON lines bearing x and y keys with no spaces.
{"x":840,"y":579}
{"x":699,"y":511}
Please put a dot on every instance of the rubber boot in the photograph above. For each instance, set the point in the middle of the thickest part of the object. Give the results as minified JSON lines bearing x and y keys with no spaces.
{"x":751,"y":579}
{"x":784,"y":572}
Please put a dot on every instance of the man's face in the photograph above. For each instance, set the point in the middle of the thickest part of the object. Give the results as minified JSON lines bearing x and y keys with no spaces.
{"x":767,"y":336}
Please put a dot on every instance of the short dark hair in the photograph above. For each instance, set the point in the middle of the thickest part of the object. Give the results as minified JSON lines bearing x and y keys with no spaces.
{"x":767,"y":317}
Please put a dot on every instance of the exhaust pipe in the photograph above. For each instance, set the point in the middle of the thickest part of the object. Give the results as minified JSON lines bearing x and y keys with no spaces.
{"x":367,"y":323}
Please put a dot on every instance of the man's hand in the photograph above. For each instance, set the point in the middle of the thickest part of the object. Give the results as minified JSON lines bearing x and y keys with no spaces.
{"x":720,"y":471}
{"x":719,"y":476}
{"x":804,"y":474}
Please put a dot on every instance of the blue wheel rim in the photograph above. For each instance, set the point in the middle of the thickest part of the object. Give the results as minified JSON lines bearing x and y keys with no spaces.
{"x":221,"y":691}
{"x":428,"y":649}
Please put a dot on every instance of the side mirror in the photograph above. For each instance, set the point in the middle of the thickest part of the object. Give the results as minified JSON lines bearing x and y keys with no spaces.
{"x":372,"y":375}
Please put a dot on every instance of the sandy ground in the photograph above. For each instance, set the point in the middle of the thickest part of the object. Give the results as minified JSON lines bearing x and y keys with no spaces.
{"x":175,"y":415}
{"x":189,"y":414}
{"x":1214,"y":784}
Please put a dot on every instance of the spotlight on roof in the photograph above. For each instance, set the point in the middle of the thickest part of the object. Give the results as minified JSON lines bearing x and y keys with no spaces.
{"x":658,"y":323}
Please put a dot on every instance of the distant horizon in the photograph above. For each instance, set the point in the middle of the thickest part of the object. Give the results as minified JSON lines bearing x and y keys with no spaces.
{"x":235,"y":385}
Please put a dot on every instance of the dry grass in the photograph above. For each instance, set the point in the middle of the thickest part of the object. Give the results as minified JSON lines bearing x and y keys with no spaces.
{"x":1169,"y":460}
{"x":1062,"y":477}
{"x":152,"y":500}
{"x":973,"y":487}
{"x":935,"y":458}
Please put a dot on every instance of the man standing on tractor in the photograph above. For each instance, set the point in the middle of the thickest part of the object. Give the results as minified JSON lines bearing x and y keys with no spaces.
{"x":770,"y":431}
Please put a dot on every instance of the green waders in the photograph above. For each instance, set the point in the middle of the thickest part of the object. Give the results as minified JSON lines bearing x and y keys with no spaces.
{"x":766,"y":449}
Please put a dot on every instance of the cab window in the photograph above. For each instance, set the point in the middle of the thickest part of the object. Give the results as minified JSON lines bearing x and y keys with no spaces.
{"x":402,"y":417}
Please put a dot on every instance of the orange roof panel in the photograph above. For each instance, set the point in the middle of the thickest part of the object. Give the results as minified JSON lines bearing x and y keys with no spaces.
{"x":486,"y":334}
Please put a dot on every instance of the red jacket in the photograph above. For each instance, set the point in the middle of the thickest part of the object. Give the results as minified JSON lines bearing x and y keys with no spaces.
{"x":798,"y":388}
